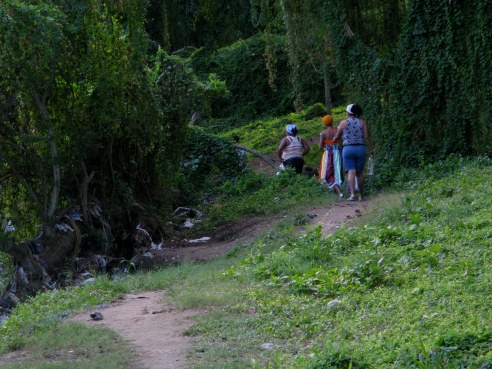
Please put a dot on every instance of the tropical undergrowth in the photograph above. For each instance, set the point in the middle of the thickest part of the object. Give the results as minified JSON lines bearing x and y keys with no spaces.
{"x":264,"y":135}
{"x":409,"y":290}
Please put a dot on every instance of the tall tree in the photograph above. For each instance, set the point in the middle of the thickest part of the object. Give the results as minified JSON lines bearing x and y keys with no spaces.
{"x":83,"y":125}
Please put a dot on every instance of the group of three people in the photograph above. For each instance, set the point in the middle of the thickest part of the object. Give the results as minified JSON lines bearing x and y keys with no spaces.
{"x":354,"y":133}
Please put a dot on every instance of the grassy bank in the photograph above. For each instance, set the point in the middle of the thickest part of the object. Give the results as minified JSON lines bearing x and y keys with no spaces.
{"x":408,"y":290}
{"x":264,"y":135}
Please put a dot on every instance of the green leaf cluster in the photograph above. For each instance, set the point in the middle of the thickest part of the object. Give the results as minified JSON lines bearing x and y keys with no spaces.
{"x":408,"y":290}
{"x":430,"y":94}
{"x":80,"y":101}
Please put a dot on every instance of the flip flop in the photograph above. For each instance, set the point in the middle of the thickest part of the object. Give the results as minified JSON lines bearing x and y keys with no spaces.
{"x":351,"y":198}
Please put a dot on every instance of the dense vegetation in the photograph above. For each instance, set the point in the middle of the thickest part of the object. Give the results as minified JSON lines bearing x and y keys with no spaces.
{"x":408,"y":289}
{"x":84,"y":81}
{"x":113,"y":113}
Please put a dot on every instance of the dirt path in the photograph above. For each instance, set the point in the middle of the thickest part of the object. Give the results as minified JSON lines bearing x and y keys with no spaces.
{"x":155,"y":329}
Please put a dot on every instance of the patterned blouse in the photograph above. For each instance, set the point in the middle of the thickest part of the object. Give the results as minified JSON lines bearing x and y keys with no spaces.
{"x":353,"y":134}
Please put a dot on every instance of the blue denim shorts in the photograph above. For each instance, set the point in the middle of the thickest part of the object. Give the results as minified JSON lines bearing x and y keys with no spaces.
{"x":354,"y":157}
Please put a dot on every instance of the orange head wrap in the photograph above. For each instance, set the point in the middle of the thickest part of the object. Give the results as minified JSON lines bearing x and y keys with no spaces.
{"x":327,"y":120}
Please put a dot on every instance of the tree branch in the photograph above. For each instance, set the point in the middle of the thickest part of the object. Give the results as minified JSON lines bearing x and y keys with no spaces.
{"x":267,"y":160}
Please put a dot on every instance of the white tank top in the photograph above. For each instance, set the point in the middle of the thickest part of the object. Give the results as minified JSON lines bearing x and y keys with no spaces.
{"x":294,"y":149}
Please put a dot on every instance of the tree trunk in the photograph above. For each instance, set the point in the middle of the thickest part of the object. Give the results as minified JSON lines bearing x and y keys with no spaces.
{"x":293,"y":50}
{"x":326,"y":73}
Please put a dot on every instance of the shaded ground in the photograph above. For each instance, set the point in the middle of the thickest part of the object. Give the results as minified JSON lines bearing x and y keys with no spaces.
{"x":153,"y":327}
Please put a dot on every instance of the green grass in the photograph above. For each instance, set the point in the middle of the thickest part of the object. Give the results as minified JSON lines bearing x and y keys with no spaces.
{"x":258,"y":195}
{"x":414,"y":288}
{"x":264,"y":135}
{"x":74,"y":346}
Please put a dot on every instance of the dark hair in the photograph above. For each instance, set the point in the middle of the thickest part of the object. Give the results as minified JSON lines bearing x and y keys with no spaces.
{"x":356,"y":110}
{"x":295,"y":131}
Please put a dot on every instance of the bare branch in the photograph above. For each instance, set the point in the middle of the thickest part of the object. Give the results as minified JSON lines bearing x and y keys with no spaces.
{"x":267,"y":160}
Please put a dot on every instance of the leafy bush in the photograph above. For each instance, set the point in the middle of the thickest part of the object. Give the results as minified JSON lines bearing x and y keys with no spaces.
{"x":209,"y":160}
{"x":453,"y":351}
{"x":243,"y":66}
{"x":388,"y":291}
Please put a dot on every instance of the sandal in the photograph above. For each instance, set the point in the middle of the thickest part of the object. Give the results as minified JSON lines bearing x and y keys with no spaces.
{"x":351,"y":198}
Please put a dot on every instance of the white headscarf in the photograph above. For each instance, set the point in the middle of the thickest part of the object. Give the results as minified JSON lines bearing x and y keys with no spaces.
{"x":290,"y":129}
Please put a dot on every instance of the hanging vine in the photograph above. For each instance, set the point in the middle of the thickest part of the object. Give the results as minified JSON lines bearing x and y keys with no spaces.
{"x":430,"y":96}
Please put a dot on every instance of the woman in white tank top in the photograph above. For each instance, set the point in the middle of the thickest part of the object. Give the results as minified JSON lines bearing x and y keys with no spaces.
{"x":292,"y":149}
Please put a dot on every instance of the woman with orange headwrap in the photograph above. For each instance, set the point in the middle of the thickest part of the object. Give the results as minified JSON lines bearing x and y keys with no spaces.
{"x":330,"y":169}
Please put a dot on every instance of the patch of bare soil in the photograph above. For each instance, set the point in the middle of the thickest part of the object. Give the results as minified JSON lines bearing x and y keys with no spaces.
{"x":220,"y":242}
{"x":245,"y":230}
{"x":153,"y":327}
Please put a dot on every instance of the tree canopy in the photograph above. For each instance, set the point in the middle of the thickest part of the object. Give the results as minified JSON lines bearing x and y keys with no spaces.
{"x":96,"y":97}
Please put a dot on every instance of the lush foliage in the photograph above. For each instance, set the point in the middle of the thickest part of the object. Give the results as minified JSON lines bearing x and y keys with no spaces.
{"x":82,"y":115}
{"x":243,"y":66}
{"x":431,"y":96}
{"x":209,"y":160}
{"x":409,"y":290}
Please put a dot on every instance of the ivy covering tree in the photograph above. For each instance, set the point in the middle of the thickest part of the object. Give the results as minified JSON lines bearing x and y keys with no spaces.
{"x":421,"y":70}
{"x":429,"y":95}
{"x":85,"y":127}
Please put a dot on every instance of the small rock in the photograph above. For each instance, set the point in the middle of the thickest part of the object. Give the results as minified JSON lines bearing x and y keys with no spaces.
{"x":334,"y":303}
{"x":268,"y":346}
{"x":96,"y":315}
{"x":89,"y":281}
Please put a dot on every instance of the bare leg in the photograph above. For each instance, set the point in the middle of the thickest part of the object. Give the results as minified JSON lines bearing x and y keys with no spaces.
{"x":351,"y":181}
{"x":337,"y":190}
{"x":360,"y":183}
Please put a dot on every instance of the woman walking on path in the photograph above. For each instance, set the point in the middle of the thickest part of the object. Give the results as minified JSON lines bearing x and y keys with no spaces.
{"x":330,"y":169}
{"x":292,"y":149}
{"x":355,"y":133}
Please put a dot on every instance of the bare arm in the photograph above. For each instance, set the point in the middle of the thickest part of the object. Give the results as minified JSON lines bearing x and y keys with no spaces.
{"x":367,"y":136}
{"x":305,"y":146}
{"x":339,"y":133}
{"x":321,"y":143}
{"x":281,"y":147}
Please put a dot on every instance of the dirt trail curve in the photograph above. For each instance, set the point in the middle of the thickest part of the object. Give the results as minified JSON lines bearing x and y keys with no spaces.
{"x":152,"y":327}
{"x":155,"y":328}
